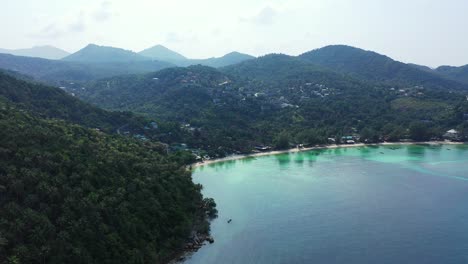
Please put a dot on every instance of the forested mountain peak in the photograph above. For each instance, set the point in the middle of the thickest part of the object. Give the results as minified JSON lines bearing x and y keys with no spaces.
{"x":228,"y":59}
{"x":160,"y":52}
{"x":339,"y":51}
{"x":236,"y":56}
{"x":354,"y":60}
{"x":374,"y":66}
{"x":95,"y":53}
{"x":271,"y":67}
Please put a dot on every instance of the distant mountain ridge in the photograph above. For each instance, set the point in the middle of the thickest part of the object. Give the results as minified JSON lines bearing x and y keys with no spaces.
{"x":102,"y":54}
{"x":159,"y":52}
{"x":95,"y":62}
{"x":228,"y":59}
{"x":95,"y":54}
{"x":455,"y":73}
{"x":45,"y":52}
{"x":59,"y":71}
{"x":344,"y":58}
{"x":162,"y":53}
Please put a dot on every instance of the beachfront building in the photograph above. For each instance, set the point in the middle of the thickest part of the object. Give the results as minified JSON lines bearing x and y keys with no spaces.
{"x":263,"y":148}
{"x":348,"y":140}
{"x":452,"y":134}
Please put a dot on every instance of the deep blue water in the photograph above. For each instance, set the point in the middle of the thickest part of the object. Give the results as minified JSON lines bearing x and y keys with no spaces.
{"x":354,"y":205}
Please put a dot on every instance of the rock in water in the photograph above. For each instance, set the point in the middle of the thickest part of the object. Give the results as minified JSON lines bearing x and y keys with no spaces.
{"x":210,"y":239}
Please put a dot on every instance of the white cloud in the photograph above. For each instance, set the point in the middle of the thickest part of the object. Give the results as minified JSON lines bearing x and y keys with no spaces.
{"x":49,"y":31}
{"x":78,"y":25}
{"x":76,"y":21}
{"x":172,"y":37}
{"x":266,"y":16}
{"x":104,"y":12}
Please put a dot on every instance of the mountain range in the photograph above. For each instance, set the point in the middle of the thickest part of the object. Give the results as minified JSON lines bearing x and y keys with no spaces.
{"x":45,"y":52}
{"x":94,"y":54}
{"x":59,"y":72}
{"x":94,"y":62}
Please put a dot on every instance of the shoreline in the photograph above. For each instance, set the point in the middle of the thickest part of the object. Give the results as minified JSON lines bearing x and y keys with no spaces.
{"x":331,"y":146}
{"x":182,"y":256}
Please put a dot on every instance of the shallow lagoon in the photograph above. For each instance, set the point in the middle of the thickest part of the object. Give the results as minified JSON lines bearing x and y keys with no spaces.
{"x":385,"y":204}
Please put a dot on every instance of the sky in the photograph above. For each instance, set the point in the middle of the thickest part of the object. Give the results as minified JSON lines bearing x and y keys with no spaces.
{"x":427,"y":32}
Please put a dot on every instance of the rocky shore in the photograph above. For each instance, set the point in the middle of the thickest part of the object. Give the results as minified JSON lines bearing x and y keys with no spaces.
{"x":194,"y":243}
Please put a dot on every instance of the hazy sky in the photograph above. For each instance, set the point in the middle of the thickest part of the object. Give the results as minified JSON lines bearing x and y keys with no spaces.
{"x":430,"y":32}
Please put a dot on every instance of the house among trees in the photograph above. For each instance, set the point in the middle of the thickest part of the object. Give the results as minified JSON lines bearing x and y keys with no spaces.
{"x":452,"y":134}
{"x":152,"y":125}
{"x":262,"y":148}
{"x":348,"y":140}
{"x":178,"y":147}
{"x":140,"y":137}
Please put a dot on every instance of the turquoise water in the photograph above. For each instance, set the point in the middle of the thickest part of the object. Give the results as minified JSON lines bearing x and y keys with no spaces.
{"x":398,"y":204}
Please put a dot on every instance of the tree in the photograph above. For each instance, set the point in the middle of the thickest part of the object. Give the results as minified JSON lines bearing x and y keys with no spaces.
{"x":419,"y":131}
{"x":210,"y":207}
{"x":282,"y":140}
{"x":369,"y":135}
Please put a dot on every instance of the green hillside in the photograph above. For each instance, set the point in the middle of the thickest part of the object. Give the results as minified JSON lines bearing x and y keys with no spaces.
{"x":71,"y":194}
{"x":260,"y":101}
{"x":51,"y":102}
{"x":455,"y":73}
{"x":373,"y":66}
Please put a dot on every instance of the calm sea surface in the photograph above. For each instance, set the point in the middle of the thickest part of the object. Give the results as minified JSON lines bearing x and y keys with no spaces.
{"x":392,"y":204}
